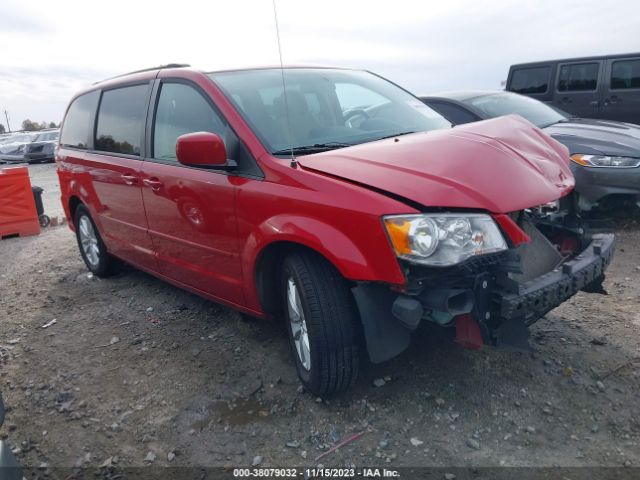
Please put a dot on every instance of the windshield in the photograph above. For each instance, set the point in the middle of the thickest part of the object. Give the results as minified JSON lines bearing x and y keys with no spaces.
{"x":327,"y":108}
{"x":45,"y":137}
{"x":20,"y":139}
{"x":496,"y":105}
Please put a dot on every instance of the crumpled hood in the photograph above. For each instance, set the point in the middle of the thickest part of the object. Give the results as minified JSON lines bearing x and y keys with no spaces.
{"x":585,"y":135}
{"x":12,"y":147}
{"x":501,"y":165}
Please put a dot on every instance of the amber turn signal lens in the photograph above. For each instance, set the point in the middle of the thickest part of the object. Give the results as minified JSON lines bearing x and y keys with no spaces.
{"x":578,"y":159}
{"x":399,"y":234}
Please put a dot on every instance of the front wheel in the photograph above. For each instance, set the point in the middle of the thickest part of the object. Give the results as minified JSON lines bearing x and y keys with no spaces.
{"x":322,"y":322}
{"x":92,"y":248}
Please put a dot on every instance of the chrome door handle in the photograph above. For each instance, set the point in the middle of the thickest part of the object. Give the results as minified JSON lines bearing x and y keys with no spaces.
{"x":153,"y":183}
{"x":129,"y":179}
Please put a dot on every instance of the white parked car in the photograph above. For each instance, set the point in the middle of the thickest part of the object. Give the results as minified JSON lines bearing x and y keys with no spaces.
{"x":12,"y":150}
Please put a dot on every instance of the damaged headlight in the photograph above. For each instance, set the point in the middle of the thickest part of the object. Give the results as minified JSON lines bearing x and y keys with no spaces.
{"x":443,"y":239}
{"x":605,"y":161}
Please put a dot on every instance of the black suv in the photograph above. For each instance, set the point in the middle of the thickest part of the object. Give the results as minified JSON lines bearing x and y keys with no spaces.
{"x":605,"y":87}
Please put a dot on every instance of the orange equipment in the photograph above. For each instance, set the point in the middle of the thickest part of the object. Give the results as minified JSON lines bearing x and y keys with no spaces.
{"x":18,"y":214}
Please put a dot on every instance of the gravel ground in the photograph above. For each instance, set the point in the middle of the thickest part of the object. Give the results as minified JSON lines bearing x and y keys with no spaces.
{"x":136,"y":372}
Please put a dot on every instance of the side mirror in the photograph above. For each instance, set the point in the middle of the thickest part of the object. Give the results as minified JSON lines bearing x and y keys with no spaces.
{"x":203,"y":149}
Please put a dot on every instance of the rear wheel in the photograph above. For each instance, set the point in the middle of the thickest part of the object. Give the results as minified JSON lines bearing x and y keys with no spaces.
{"x":322,"y":323}
{"x":92,"y":248}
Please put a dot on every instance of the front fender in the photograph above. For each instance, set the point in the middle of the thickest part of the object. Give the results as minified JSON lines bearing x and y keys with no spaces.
{"x":368,"y":261}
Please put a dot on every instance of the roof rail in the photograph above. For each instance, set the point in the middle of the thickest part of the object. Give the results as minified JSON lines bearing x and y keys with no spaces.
{"x":159,"y":67}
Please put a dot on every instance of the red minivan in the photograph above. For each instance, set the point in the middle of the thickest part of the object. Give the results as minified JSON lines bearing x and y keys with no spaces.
{"x":330,"y":197}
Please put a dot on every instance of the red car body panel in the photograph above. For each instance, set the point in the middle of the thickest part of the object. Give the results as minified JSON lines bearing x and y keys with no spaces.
{"x":339,"y":220}
{"x":206,"y":230}
{"x":110,"y":187}
{"x":192,"y":224}
{"x":501,"y":165}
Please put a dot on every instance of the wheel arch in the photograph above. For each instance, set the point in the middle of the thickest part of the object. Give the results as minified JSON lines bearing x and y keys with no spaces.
{"x":267,"y":267}
{"x":273,"y":238}
{"x":71,"y":206}
{"x":74,"y":203}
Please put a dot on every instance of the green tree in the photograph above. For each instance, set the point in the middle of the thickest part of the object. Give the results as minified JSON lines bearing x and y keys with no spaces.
{"x":52,"y":125}
{"x":29,"y":126}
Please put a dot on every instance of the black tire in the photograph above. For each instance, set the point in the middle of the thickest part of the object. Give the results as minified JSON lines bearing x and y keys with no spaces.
{"x":44,"y":220}
{"x":331,"y":320}
{"x":106,"y":264}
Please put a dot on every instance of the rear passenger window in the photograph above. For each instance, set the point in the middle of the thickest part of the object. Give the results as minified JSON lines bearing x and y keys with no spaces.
{"x":530,"y":80}
{"x":625,"y":74}
{"x":77,"y":126}
{"x":121,"y":120}
{"x":181,"y":109}
{"x":578,"y":77}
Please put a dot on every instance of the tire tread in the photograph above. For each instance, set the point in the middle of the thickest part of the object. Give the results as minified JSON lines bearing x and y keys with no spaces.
{"x":332,"y":313}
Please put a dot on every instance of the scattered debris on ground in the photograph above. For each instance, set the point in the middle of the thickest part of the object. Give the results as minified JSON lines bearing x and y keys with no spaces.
{"x":183,"y":381}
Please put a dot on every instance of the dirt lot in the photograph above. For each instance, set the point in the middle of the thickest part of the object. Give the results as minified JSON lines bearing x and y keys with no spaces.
{"x":136,"y":372}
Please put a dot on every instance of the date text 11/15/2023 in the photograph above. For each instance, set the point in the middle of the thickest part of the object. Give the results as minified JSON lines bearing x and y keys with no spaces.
{"x":315,"y":473}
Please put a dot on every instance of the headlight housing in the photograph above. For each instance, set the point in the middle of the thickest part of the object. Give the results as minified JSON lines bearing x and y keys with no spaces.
{"x":605,"y":161}
{"x":443,"y":239}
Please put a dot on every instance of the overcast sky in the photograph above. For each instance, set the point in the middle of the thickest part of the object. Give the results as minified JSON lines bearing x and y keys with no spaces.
{"x":50,"y":49}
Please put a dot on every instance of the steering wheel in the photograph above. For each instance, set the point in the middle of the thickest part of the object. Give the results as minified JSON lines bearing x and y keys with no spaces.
{"x":351,"y":115}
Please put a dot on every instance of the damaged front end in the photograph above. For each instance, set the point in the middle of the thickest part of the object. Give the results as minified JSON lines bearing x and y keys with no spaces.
{"x":493,"y":297}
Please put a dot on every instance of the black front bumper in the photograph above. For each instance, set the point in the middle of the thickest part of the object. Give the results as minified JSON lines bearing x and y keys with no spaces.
{"x":531,"y":300}
{"x":39,"y":156}
{"x":502,"y":307}
{"x":11,"y":158}
{"x":596,"y":183}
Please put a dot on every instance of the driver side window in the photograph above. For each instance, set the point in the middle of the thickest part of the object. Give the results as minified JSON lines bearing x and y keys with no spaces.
{"x":181,"y":109}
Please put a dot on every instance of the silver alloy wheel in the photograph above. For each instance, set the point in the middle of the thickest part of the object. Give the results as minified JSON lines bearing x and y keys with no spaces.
{"x":298,"y":324}
{"x":89,"y":241}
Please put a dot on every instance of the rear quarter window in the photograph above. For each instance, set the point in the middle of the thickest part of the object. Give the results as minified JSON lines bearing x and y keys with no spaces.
{"x":78,"y":126}
{"x":530,"y":80}
{"x":121,"y":119}
{"x":625,"y":74}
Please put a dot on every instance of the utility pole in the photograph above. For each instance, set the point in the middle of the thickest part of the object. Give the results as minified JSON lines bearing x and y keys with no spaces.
{"x":6,"y":115}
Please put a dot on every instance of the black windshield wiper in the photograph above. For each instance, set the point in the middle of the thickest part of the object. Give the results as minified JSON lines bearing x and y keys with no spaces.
{"x":399,"y":134}
{"x":315,"y":148}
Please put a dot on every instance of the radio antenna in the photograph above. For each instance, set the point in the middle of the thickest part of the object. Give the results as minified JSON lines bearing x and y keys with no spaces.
{"x":294,"y":162}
